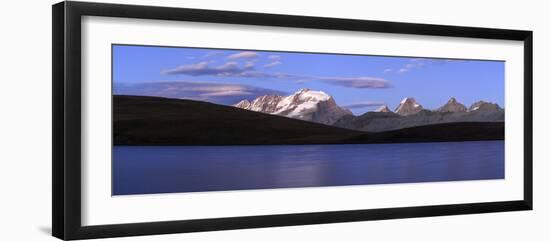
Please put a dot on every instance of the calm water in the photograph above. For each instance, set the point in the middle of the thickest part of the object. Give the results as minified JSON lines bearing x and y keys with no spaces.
{"x":153,"y":169}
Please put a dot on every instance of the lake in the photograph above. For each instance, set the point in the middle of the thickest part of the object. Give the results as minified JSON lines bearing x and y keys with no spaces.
{"x":169,"y":169}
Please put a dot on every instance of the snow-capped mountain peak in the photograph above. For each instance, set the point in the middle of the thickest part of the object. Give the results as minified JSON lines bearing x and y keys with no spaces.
{"x":408,"y":106}
{"x":307,"y":94}
{"x":305,"y":104}
{"x":244,"y":104}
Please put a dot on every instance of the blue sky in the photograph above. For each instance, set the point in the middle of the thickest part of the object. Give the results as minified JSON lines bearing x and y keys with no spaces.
{"x":361,"y":83}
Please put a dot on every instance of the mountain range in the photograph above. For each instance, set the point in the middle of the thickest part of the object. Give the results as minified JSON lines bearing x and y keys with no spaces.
{"x":305,"y":104}
{"x":317,"y":106}
{"x":410,"y":114}
{"x":145,"y":120}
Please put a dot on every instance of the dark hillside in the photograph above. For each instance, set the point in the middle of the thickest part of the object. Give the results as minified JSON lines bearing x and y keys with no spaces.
{"x":457,"y":131}
{"x":140,"y":120}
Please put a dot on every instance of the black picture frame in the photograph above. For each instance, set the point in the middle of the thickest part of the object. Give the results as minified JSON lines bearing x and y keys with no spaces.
{"x":66,"y":167}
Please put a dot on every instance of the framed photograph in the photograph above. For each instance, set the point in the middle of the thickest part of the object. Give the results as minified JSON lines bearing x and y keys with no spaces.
{"x":171,"y":120}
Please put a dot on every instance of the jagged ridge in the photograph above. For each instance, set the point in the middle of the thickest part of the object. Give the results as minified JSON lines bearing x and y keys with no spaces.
{"x":410,"y":114}
{"x":305,"y":104}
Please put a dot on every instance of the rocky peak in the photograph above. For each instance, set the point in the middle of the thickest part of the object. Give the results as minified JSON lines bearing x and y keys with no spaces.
{"x":265,"y":103}
{"x":307,"y":94}
{"x":305,"y":104}
{"x":244,"y":104}
{"x":452,"y":106}
{"x":408,"y":106}
{"x":383,"y":108}
{"x":484,"y":106}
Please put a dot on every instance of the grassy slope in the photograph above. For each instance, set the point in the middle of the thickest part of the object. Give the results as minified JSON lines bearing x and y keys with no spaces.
{"x":139,"y":120}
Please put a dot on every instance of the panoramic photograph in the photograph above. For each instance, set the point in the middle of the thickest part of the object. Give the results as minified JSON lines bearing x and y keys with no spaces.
{"x":204,"y":119}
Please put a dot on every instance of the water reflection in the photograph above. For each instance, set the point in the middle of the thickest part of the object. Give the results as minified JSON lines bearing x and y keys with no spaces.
{"x":147,"y":169}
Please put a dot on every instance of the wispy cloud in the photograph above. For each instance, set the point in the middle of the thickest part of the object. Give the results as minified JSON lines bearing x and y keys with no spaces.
{"x":358,"y":82}
{"x":211,"y":54}
{"x":275,"y":60}
{"x":364,"y":104}
{"x":272,"y":64}
{"x":233,"y":69}
{"x":412,"y":65}
{"x":250,"y":64}
{"x":226,"y":94}
{"x":204,"y":68}
{"x":417,"y":63}
{"x":229,"y":92}
{"x":274,"y":57}
{"x":243,"y":55}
